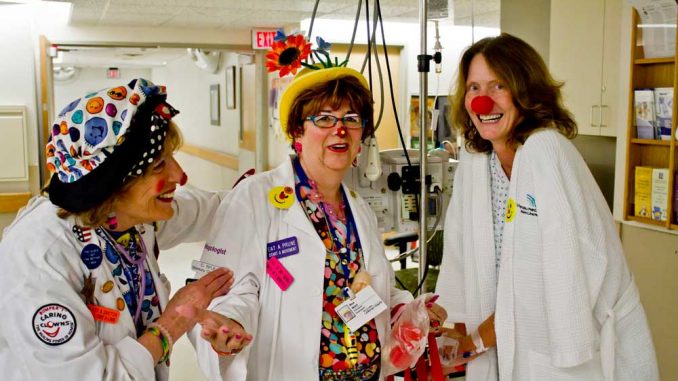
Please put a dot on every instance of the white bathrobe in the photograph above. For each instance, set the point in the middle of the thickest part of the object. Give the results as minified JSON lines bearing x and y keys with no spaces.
{"x":566,"y":305}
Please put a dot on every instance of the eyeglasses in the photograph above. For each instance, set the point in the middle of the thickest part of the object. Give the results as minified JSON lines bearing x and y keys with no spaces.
{"x":328,"y":121}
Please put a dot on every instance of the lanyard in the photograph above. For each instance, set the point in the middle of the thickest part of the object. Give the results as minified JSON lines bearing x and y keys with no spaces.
{"x":344,"y":252}
{"x":138,"y":263}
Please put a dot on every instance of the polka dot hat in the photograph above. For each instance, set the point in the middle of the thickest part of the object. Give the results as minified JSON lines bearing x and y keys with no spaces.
{"x":103,"y":139}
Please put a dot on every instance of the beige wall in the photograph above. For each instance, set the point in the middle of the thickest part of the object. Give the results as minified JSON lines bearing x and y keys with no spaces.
{"x":653,"y":259}
{"x":529,"y":20}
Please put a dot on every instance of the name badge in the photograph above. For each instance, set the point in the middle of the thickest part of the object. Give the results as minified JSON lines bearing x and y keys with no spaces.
{"x":357,"y":311}
{"x":279,"y":273}
{"x":103,"y":314}
{"x":202,"y":268}
{"x":283,"y":248}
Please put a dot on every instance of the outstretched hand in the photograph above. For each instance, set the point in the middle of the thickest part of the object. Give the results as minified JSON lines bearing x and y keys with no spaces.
{"x":226,"y":336}
{"x":198,"y":294}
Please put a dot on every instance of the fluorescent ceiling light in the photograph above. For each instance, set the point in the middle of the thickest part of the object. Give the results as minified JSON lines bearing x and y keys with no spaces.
{"x":19,"y":1}
{"x":656,"y":25}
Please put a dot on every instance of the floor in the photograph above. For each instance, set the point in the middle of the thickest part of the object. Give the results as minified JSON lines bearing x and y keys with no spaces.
{"x":176,"y":264}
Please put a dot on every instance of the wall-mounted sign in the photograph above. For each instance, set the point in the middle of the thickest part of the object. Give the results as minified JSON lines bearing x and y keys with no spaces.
{"x":262,"y":38}
{"x":112,"y":73}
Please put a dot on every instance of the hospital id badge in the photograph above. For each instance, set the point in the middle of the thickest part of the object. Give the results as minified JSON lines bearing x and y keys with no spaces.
{"x":357,"y":311}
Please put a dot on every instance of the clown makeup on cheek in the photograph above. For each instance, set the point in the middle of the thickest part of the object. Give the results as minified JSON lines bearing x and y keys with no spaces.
{"x":160,"y":186}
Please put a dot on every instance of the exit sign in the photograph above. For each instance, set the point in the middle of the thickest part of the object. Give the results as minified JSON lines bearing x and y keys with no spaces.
{"x":262,"y":38}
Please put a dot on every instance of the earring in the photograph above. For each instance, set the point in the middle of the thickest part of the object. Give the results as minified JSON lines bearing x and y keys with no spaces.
{"x":297,"y":146}
{"x":112,"y":220}
{"x":355,"y":160}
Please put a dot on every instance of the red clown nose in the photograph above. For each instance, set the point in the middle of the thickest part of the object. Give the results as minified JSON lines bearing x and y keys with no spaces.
{"x":482,"y":104}
{"x":184,"y":179}
{"x":341,"y":131}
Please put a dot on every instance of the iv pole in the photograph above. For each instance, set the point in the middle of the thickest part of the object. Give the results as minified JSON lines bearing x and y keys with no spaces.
{"x":423,"y":64}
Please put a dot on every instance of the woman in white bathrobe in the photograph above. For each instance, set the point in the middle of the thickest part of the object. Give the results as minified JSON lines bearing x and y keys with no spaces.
{"x":533,"y":265}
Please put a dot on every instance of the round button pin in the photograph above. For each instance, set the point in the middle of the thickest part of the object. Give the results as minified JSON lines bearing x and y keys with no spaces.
{"x":120,"y":303}
{"x":91,"y":256}
{"x":107,"y":287}
{"x":281,"y":197}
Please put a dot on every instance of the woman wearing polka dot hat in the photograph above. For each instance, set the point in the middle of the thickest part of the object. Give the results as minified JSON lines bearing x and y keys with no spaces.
{"x":83,"y":292}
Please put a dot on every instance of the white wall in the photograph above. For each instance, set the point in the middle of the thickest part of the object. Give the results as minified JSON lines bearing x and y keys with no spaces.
{"x":622,"y":101}
{"x":188,"y":89}
{"x":17,"y":62}
{"x":454,"y":39}
{"x":92,"y":79}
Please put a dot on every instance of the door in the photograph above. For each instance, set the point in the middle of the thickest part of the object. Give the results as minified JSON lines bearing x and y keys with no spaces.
{"x":46,"y":102}
{"x":576,"y":54}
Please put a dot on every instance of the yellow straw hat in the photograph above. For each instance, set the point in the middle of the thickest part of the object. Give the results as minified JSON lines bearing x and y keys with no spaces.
{"x":307,"y":78}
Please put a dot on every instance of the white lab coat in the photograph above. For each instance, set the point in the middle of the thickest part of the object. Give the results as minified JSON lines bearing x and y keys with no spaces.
{"x":41,"y":264}
{"x":286,"y":325}
{"x":566,"y":305}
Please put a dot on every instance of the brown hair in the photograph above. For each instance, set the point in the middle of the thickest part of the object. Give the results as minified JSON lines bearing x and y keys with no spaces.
{"x":335,"y":93}
{"x":535,"y":93}
{"x":97,"y":215}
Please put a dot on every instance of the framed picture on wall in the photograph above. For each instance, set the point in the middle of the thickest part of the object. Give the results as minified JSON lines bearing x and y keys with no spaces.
{"x":214,"y":105}
{"x":230,"y":87}
{"x":415,"y":122}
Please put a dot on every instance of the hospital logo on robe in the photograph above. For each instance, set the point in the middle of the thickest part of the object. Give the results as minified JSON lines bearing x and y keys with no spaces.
{"x":530,"y":209}
{"x":54,"y":324}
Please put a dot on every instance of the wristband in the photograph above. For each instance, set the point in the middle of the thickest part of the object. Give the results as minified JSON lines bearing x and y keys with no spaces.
{"x":478,"y":342}
{"x":156,"y":329}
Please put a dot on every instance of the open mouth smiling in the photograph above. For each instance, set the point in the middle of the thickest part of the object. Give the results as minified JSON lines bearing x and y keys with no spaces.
{"x":343,"y":147}
{"x":489,"y":118}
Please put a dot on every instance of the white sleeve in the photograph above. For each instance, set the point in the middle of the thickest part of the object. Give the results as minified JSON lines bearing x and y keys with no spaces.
{"x":194,"y":211}
{"x":50,"y":284}
{"x":450,"y":285}
{"x":236,"y":243}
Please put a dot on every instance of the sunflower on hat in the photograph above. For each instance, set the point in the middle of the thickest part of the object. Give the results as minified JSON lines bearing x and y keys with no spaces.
{"x":288,"y":53}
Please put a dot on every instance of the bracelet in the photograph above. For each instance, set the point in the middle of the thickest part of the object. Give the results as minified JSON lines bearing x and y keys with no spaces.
{"x":478,"y":342}
{"x":156,"y":329}
{"x":220,"y":353}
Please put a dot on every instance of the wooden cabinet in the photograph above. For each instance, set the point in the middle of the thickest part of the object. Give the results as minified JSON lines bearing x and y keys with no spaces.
{"x":584,"y":53}
{"x":648,"y":73}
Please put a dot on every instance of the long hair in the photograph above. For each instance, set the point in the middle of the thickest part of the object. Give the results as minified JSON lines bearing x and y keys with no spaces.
{"x":535,"y":93}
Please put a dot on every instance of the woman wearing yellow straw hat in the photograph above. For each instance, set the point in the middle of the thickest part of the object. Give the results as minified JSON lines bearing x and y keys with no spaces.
{"x":305,"y":245}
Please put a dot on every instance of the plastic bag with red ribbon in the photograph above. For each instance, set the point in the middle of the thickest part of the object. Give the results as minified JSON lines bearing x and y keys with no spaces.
{"x":408,"y":337}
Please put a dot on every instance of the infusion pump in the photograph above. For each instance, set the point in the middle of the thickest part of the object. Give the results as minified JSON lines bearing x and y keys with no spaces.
{"x":394,"y":196}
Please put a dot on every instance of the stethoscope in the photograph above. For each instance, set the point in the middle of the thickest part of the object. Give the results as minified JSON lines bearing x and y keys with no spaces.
{"x":344,"y":253}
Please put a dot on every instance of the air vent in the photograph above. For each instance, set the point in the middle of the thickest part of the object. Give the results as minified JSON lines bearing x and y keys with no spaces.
{"x":439,"y":9}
